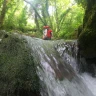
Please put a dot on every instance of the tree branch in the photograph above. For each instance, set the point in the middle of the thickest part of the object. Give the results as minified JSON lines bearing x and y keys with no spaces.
{"x":35,"y":11}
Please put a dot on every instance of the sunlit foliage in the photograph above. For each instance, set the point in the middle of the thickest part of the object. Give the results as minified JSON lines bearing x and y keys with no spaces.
{"x":63,"y":16}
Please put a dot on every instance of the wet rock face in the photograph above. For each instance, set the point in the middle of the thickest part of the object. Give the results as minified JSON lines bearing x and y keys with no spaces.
{"x":87,"y":41}
{"x":87,"y":38}
{"x":17,"y":69}
{"x":69,"y":50}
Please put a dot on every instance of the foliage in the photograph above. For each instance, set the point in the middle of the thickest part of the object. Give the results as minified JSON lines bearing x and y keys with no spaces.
{"x":16,"y":15}
{"x":62,"y":16}
{"x":71,"y":23}
{"x":83,"y":3}
{"x":22,"y":19}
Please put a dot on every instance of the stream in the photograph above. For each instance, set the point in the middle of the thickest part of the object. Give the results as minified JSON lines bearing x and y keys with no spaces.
{"x":58,"y":68}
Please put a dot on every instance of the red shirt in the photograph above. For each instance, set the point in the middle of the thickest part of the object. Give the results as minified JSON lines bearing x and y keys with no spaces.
{"x":49,"y":34}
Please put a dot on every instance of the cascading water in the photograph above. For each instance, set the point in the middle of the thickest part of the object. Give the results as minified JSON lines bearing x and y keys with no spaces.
{"x":58,"y":70}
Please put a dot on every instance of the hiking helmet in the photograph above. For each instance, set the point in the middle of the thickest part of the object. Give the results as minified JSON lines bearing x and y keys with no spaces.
{"x":45,"y":27}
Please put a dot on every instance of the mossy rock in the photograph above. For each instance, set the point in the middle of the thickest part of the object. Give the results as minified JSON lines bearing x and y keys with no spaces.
{"x":87,"y":43}
{"x":17,"y":68}
{"x":87,"y":38}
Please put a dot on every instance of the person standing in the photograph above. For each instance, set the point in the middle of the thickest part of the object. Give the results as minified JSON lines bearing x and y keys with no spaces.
{"x":47,"y":33}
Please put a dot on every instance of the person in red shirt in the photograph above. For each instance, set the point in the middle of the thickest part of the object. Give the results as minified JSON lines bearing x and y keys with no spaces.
{"x":47,"y":33}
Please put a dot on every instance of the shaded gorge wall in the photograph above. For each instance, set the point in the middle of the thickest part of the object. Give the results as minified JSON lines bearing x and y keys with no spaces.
{"x":87,"y":38}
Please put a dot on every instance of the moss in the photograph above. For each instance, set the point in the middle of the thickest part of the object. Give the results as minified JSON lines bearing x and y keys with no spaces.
{"x":87,"y":42}
{"x":79,"y":30}
{"x":87,"y":38}
{"x":17,"y":68}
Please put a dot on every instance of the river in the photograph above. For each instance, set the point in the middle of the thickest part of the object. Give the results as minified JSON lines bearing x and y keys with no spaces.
{"x":57,"y":68}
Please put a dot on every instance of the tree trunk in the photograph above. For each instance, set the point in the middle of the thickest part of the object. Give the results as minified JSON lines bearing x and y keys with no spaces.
{"x":36,"y":22}
{"x":36,"y":12}
{"x":3,"y":12}
{"x":48,"y":15}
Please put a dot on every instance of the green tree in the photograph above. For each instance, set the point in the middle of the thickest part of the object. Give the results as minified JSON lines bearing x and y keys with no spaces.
{"x":22,"y":19}
{"x":71,"y":22}
{"x":3,"y":12}
{"x":58,"y":14}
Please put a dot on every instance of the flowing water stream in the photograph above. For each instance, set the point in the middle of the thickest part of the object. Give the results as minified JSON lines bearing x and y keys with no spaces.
{"x":57,"y":69}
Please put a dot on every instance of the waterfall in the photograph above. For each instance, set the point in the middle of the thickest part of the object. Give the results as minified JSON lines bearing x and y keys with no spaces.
{"x":58,"y":69}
